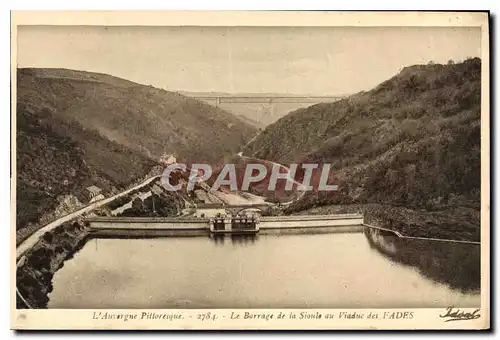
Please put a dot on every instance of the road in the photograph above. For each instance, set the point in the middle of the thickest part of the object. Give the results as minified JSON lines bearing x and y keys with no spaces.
{"x":299,"y":185}
{"x":248,"y":143}
{"x":236,"y":198}
{"x":35,"y":237}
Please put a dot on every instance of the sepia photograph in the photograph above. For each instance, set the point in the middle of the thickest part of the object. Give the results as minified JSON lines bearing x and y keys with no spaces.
{"x":235,"y":175}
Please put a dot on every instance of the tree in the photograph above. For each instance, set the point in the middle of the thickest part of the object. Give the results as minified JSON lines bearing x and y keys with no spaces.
{"x":137,"y":204}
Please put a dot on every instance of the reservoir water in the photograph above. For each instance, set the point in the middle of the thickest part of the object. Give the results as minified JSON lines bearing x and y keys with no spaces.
{"x":338,"y":270}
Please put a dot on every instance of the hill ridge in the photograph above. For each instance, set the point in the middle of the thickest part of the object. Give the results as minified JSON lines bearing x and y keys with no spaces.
{"x":79,"y":128}
{"x":138,"y":116}
{"x":413,"y":141}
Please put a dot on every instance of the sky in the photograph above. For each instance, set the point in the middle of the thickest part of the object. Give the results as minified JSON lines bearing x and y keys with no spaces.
{"x":296,"y":60}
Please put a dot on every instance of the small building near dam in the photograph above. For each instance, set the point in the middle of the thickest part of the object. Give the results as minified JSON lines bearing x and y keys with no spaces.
{"x":210,"y":210}
{"x":93,"y":193}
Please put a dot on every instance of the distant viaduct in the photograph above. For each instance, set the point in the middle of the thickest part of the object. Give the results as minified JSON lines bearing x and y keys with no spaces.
{"x":268,"y":100}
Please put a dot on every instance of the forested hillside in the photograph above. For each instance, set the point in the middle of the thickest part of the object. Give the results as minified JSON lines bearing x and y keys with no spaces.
{"x":57,"y":157}
{"x":143,"y":118}
{"x":76,"y":129}
{"x":413,"y":141}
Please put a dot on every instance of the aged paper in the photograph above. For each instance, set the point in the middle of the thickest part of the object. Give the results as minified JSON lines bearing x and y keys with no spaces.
{"x":250,"y":170}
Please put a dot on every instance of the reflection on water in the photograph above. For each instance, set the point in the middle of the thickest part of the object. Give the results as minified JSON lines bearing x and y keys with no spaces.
{"x":457,"y":265}
{"x":350,"y":270}
{"x":234,"y":239}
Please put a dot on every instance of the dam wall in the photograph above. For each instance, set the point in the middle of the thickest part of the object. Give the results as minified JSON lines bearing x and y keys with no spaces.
{"x":161,"y":226}
{"x":309,"y":221}
{"x":147,"y":226}
{"x":148,"y":223}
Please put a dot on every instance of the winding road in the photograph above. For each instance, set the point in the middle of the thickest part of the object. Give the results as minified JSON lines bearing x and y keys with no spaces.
{"x":35,"y":237}
{"x":299,"y":185}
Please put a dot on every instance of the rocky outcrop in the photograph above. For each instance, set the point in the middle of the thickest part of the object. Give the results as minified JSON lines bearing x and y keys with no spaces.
{"x":37,"y":266}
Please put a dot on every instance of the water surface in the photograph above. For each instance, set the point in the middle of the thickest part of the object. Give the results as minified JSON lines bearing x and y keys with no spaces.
{"x":350,"y":270}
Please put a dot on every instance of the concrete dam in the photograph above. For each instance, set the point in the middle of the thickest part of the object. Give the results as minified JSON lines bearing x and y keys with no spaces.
{"x":152,"y":226}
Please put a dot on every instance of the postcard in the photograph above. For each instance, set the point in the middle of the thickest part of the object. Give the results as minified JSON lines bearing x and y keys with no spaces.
{"x":250,"y":170}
